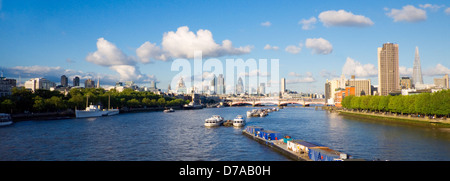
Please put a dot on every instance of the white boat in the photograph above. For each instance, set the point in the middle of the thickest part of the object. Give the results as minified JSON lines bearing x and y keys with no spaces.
{"x":91,"y":111}
{"x":112,"y":112}
{"x":5,"y":119}
{"x":215,"y":120}
{"x":169,"y":110}
{"x":239,"y":121}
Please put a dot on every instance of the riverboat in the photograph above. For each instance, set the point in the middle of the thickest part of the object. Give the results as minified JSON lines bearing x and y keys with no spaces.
{"x":5,"y":119}
{"x":215,"y":120}
{"x":239,"y":121}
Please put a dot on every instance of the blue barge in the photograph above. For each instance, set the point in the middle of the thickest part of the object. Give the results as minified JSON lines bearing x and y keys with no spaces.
{"x":295,"y":149}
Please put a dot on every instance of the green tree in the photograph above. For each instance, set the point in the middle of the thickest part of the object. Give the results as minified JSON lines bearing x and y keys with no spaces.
{"x":356,"y":103}
{"x":373,"y":103}
{"x":161,"y":102}
{"x":133,"y":103}
{"x":39,"y":104}
{"x":365,"y":100}
{"x":384,"y":102}
{"x":7,"y":106}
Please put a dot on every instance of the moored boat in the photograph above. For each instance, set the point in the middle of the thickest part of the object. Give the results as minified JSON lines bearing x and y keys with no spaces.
{"x":215,"y":120}
{"x":239,"y":121}
{"x":5,"y":119}
{"x":168,"y":110}
{"x":91,"y":111}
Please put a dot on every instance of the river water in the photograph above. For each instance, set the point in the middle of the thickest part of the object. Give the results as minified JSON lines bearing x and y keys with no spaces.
{"x":158,"y":136}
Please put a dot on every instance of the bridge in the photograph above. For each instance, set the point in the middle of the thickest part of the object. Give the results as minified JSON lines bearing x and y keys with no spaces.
{"x":274,"y":101}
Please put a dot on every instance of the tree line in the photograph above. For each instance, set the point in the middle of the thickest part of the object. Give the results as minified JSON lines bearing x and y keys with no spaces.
{"x":437,"y":103}
{"x":23,"y":100}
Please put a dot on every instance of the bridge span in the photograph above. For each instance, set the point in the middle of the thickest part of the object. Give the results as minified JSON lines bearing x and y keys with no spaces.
{"x":274,"y":101}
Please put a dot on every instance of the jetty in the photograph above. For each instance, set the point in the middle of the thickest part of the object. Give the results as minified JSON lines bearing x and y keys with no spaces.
{"x":295,"y":149}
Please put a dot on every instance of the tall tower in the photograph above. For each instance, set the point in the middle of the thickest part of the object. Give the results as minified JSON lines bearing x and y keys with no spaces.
{"x":283,"y":85}
{"x":388,"y":73}
{"x":417,"y":70}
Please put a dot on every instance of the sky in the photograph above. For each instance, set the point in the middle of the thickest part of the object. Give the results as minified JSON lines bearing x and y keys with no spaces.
{"x":140,"y":40}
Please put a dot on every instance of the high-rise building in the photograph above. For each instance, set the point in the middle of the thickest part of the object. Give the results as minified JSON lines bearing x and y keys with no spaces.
{"x":417,"y":70}
{"x":283,"y":85}
{"x":89,"y":83}
{"x":76,"y":81}
{"x":262,"y":88}
{"x":388,"y":70}
{"x":442,"y":82}
{"x":64,"y":81}
{"x":240,"y":86}
{"x":220,"y":84}
{"x":213,"y":85}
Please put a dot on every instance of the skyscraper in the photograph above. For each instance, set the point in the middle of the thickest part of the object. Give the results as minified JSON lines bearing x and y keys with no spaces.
{"x":240,"y":86}
{"x":388,"y":73}
{"x":76,"y":81}
{"x":220,"y":84}
{"x":417,"y":70}
{"x":283,"y":85}
{"x":64,"y":81}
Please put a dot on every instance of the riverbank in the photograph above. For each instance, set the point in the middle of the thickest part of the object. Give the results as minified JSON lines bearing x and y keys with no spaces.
{"x":390,"y":116}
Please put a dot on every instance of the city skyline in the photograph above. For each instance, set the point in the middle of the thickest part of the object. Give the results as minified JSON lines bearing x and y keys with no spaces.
{"x":87,"y":39}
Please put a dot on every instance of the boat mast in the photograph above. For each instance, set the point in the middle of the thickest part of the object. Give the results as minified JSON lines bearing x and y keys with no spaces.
{"x":109,"y":101}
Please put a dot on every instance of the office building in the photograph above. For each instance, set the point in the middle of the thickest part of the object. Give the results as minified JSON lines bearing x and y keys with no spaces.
{"x":283,"y":85}
{"x":406,"y":83}
{"x":442,"y":82}
{"x":64,"y":81}
{"x":6,"y":86}
{"x":76,"y":81}
{"x":362,"y":86}
{"x":39,"y":83}
{"x":89,"y":83}
{"x":239,"y":86}
{"x":388,"y":69}
{"x":220,"y":84}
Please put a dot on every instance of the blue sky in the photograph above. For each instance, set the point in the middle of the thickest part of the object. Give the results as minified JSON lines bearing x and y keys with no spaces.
{"x":48,"y":38}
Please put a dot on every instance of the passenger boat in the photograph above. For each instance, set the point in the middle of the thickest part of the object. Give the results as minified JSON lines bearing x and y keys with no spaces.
{"x":239,"y":121}
{"x":5,"y":119}
{"x":91,"y":111}
{"x":215,"y":120}
{"x":168,"y":110}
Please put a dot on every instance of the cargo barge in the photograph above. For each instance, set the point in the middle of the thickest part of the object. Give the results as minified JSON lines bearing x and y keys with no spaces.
{"x":295,"y":149}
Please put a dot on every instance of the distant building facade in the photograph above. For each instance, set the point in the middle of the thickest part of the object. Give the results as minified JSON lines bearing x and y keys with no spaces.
{"x":406,"y":83}
{"x":362,"y":87}
{"x":442,"y":82}
{"x":39,"y":83}
{"x":89,"y":83}
{"x":6,"y":86}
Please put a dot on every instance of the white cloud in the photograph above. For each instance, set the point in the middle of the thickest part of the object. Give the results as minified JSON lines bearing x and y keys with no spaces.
{"x":183,"y":43}
{"x":408,"y":13}
{"x":405,"y":71}
{"x":352,"y":67}
{"x":343,"y":18}
{"x":149,"y":51}
{"x":269,"y":47}
{"x":308,"y":24}
{"x":266,"y":24}
{"x":307,"y":78}
{"x":319,"y":46}
{"x":432,"y":7}
{"x":294,"y":49}
{"x":108,"y":54}
{"x":438,"y":70}
{"x":447,"y":11}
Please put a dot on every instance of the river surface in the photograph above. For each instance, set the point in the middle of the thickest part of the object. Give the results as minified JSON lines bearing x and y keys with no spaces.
{"x":158,"y":136}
